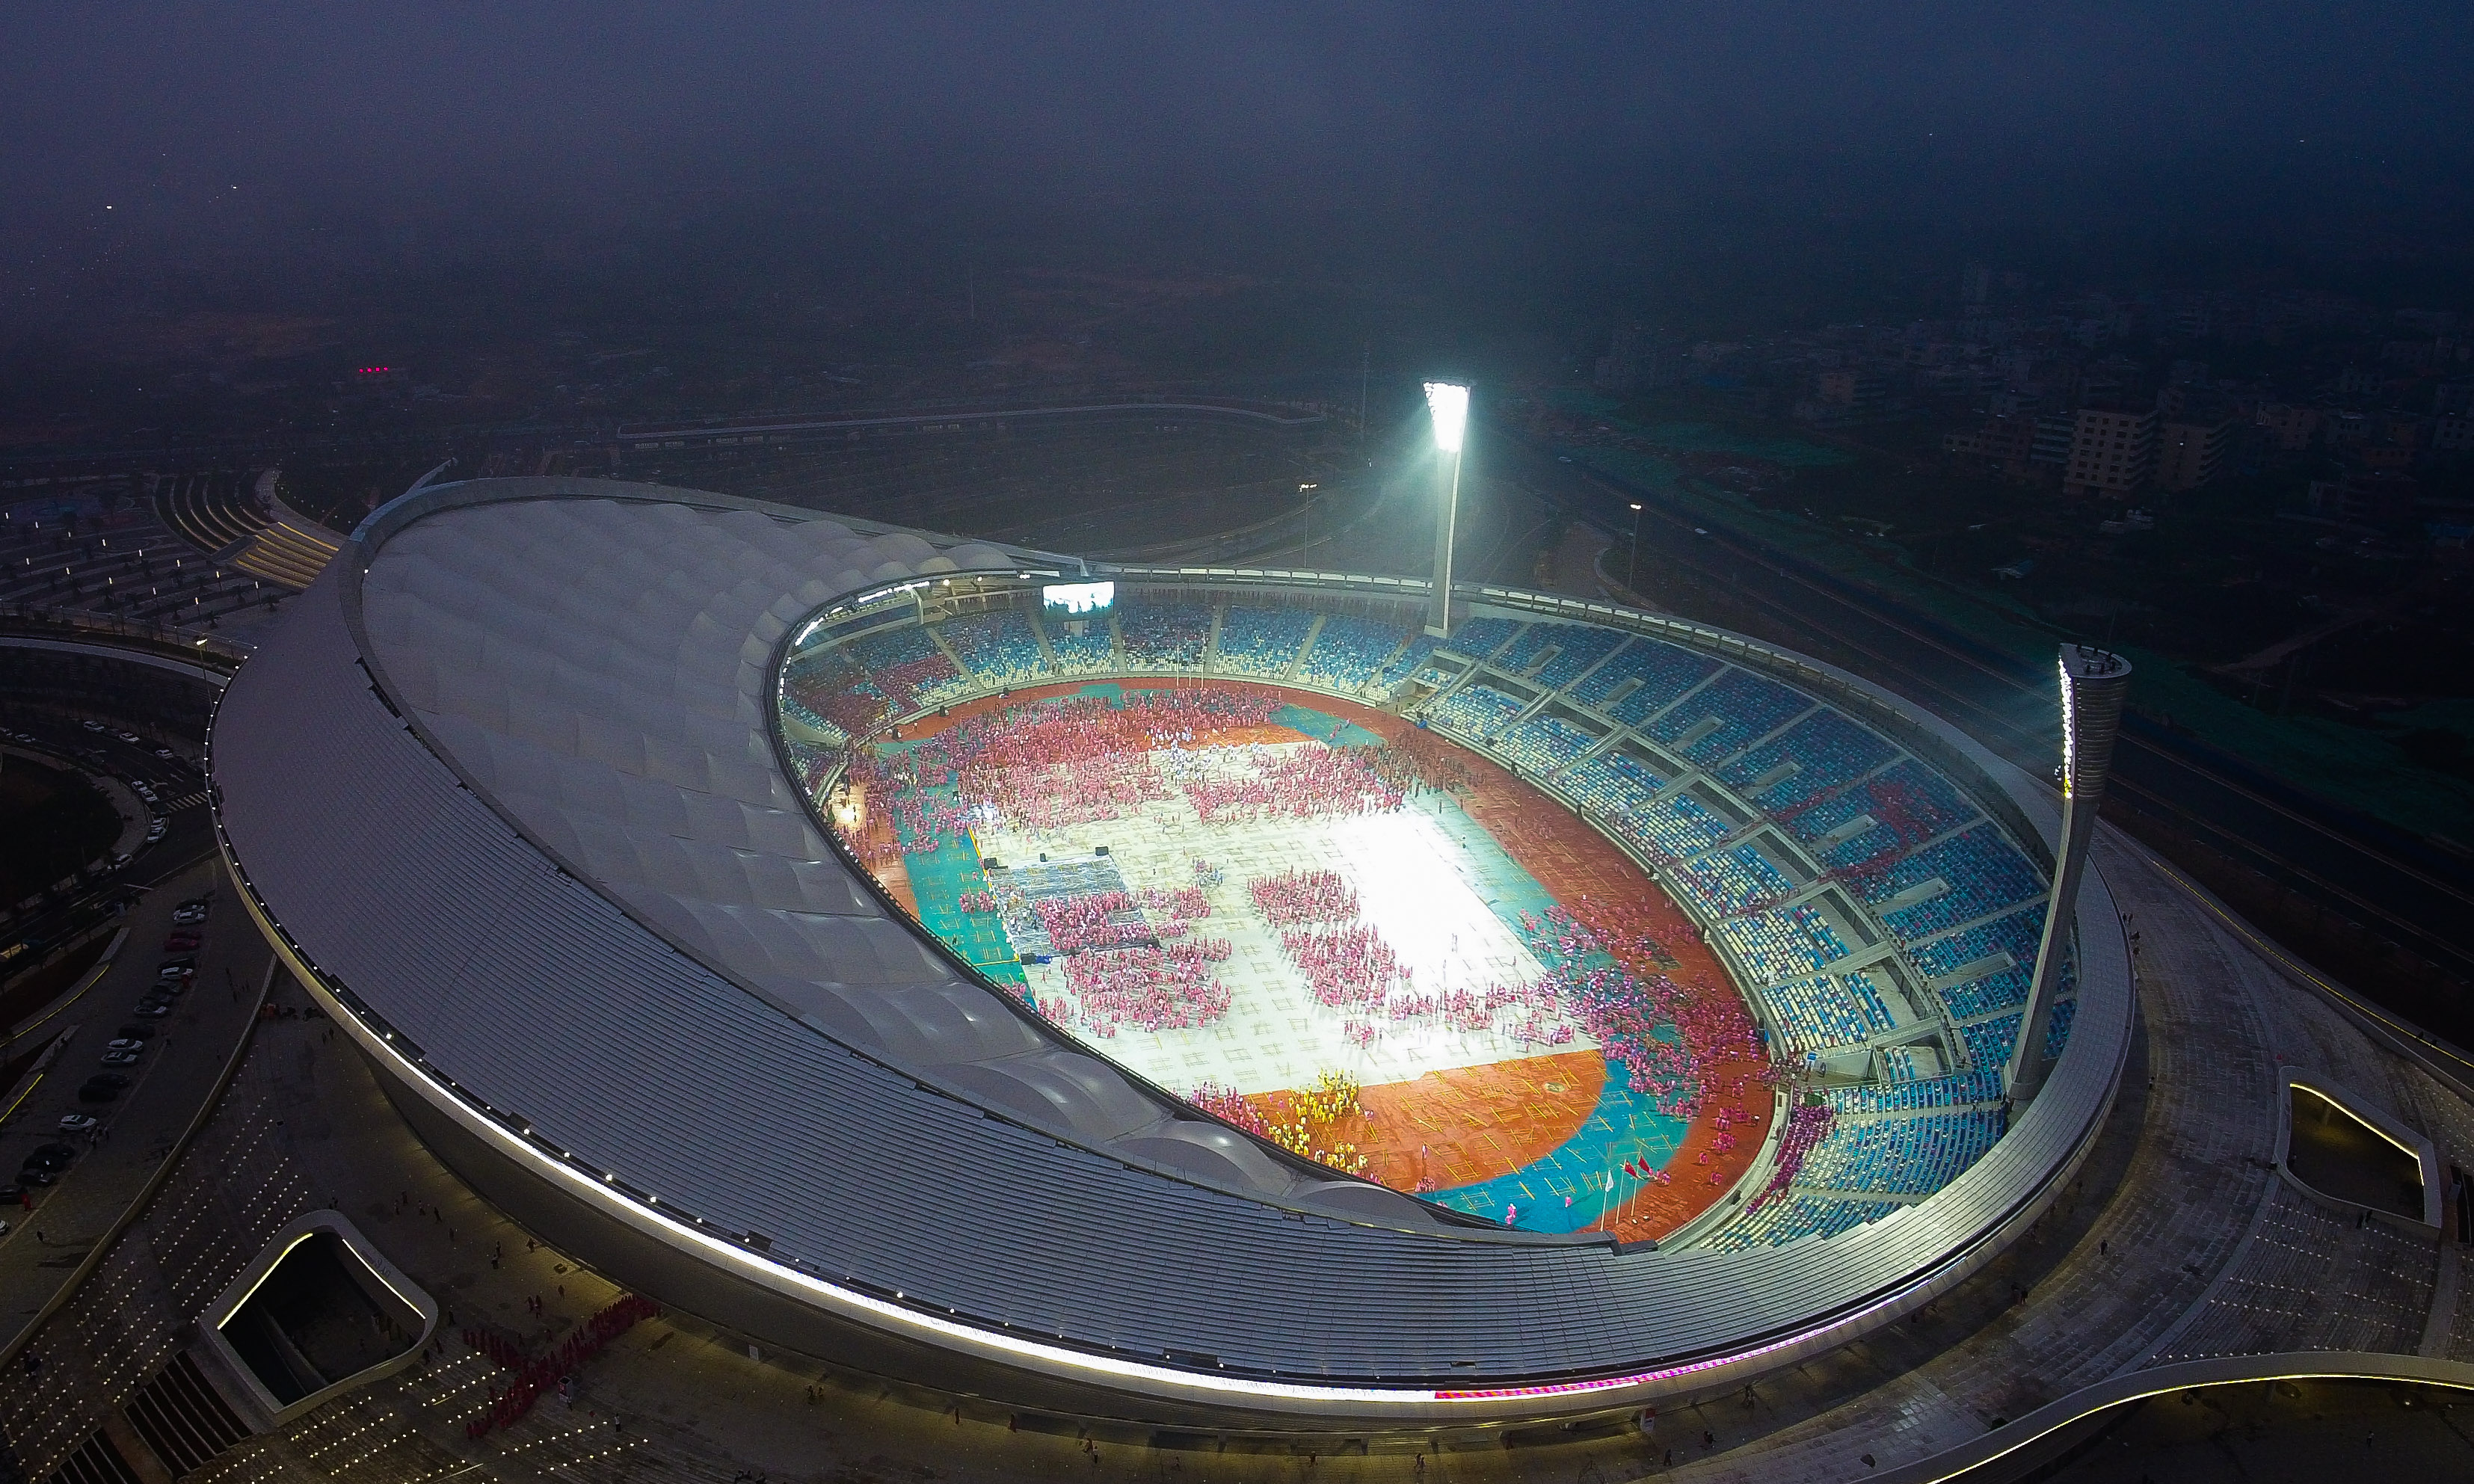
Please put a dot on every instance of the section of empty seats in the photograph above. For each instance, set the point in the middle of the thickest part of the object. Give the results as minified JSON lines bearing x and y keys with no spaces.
{"x":999,"y":648}
{"x":1989,"y":1042}
{"x":1873,"y":821}
{"x":1728,"y":714}
{"x":1673,"y":827}
{"x":1347,"y":652}
{"x":1824,"y":752}
{"x":1164,"y":636}
{"x":1731,"y":881}
{"x":908,"y":668}
{"x":2058,"y":1035}
{"x":1262,"y":641}
{"x":1953,"y":881}
{"x":1475,"y":711}
{"x":1784,"y":943}
{"x":2006,"y":989}
{"x":1556,"y":654}
{"x":1480,"y":638}
{"x":830,"y":687}
{"x":1786,"y":1219}
{"x":1982,"y":1085}
{"x":1822,"y":1012}
{"x":1544,"y":743}
{"x":1906,"y":1154}
{"x":1640,"y":678}
{"x":1615,"y":787}
{"x":1982,"y":949}
{"x":1400,"y":666}
{"x":1083,"y":645}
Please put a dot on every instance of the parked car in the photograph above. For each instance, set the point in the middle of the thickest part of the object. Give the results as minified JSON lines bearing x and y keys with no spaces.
{"x":181,"y":942}
{"x":78,"y":1123}
{"x":112,"y":1080}
{"x":155,"y":832}
{"x":95,"y":1092}
{"x":126,"y":737}
{"x":128,"y":1043}
{"x":153,"y":1007}
{"x":91,"y":726}
{"x":136,"y":1033}
{"x":165,"y":753}
{"x":120,"y":1059}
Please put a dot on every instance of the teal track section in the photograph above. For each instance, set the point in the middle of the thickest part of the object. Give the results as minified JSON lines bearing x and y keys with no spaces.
{"x":938,"y":880}
{"x":1625,"y":1126}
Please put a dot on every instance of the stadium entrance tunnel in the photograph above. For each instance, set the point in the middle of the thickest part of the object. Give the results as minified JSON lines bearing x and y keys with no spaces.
{"x":319,"y":1312}
{"x":2345,"y":1158}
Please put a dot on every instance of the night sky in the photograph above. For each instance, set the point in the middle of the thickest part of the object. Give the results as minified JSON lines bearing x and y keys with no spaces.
{"x":1443,"y":132}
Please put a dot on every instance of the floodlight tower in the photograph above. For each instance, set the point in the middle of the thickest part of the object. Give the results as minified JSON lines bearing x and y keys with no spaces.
{"x":1449,"y":404}
{"x":2094,"y":682}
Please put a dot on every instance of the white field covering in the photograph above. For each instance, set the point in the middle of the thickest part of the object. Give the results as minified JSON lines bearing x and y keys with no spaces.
{"x":1412,"y":886}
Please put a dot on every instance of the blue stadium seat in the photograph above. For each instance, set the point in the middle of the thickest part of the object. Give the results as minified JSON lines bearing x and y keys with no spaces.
{"x":1262,"y":641}
{"x":1908,"y":1155}
{"x":1728,"y":714}
{"x":1347,"y":652}
{"x":1642,"y":677}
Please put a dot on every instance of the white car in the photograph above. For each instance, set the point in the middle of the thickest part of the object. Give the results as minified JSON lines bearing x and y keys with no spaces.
{"x":128,"y":1045}
{"x":165,"y":753}
{"x":120,"y":1059}
{"x":78,"y":1123}
{"x":126,"y":737}
{"x":91,"y":726}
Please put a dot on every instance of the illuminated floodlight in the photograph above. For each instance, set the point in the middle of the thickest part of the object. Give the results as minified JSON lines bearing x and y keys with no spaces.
{"x":1449,"y":404}
{"x":1078,"y":597}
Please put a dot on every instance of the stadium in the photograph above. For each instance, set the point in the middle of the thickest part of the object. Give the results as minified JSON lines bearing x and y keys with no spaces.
{"x":1202,"y":996}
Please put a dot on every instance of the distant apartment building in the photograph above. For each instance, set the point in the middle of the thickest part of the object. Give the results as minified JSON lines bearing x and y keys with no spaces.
{"x":2454,"y":396}
{"x":2369,"y":498}
{"x":2189,"y":454}
{"x":2050,"y":441}
{"x":2110,"y":453}
{"x":2289,"y":427}
{"x":2005,"y":442}
{"x":2453,"y":433}
{"x":1850,"y":395}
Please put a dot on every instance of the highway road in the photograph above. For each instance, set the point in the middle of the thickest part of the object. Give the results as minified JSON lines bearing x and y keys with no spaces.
{"x":2400,"y":887}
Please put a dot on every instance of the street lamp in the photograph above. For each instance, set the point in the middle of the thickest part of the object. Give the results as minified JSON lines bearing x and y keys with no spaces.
{"x":1632,"y":581}
{"x":1448,"y":404}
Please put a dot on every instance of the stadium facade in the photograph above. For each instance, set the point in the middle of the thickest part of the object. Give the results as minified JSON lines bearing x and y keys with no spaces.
{"x":519,"y":793}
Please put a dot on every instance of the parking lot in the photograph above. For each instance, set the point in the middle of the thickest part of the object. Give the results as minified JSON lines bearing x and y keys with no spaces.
{"x":75,"y":1152}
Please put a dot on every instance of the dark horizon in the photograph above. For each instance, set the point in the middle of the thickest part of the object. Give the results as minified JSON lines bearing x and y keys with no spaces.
{"x":1609,"y":160}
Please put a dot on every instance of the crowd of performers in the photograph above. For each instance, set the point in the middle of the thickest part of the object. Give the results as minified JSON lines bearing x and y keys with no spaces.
{"x":1135,"y":962}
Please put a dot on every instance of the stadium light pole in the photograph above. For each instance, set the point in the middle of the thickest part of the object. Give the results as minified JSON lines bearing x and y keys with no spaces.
{"x":1448,"y":404}
{"x":1632,"y":580}
{"x":2093,"y":683}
